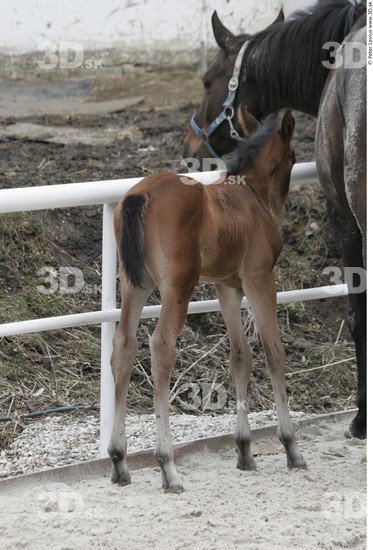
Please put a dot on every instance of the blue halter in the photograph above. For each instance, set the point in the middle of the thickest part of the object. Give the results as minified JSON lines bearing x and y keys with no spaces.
{"x":228,"y":111}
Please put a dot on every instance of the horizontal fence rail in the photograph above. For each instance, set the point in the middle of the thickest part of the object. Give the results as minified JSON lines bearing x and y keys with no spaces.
{"x":68,"y":195}
{"x":152,"y":312}
{"x":108,"y":193}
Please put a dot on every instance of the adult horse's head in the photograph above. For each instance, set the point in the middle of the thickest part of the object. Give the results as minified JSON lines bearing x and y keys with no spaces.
{"x":284,"y":65}
{"x":214,"y":128}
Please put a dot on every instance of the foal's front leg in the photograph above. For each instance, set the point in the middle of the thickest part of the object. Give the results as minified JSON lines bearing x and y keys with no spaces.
{"x":241,"y":367}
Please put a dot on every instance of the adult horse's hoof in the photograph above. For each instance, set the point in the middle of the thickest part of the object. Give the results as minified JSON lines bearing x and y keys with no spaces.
{"x":358,"y":427}
{"x":356,"y":431}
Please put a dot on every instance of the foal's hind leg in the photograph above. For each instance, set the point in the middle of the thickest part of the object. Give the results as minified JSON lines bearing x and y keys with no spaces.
{"x":261,"y":293}
{"x":175,"y":298}
{"x":122,"y":360}
{"x":241,"y":367}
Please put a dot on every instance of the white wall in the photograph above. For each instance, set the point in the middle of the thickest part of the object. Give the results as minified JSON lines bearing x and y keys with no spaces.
{"x":142,"y":25}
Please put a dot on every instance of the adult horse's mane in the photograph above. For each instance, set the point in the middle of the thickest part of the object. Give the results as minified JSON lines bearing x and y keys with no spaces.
{"x":276,"y":53}
{"x":248,"y":150}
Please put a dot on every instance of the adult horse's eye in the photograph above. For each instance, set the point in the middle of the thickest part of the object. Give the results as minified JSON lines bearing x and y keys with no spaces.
{"x":206,"y":83}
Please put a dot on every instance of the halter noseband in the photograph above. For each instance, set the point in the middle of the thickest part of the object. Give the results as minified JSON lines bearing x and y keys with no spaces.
{"x":228,"y":111}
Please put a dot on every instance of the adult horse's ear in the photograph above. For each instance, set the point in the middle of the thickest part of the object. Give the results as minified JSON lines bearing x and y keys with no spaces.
{"x":247,"y":121}
{"x":287,"y":126}
{"x":223,"y":36}
{"x":279,"y":19}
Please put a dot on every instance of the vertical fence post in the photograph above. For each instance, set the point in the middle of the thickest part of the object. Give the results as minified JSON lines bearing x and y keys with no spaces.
{"x":109,"y":269}
{"x":204,"y":24}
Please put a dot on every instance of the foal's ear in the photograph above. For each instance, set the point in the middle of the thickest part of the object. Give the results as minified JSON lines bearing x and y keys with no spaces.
{"x":287,"y":126}
{"x":279,"y":19}
{"x":247,"y":121}
{"x":223,"y":36}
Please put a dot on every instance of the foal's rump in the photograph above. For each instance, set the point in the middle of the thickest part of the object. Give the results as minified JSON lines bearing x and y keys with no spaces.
{"x":158,"y":224}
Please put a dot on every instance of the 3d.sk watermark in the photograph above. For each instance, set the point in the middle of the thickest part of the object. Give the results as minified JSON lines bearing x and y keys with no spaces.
{"x":352,"y":55}
{"x":206,"y":396}
{"x":62,"y":501}
{"x":370,"y":32}
{"x":65,"y":280}
{"x":65,"y":55}
{"x":354,"y":277}
{"x":349,"y":505}
{"x":194,"y":166}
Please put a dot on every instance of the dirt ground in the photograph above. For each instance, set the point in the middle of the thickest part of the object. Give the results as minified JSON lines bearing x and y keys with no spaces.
{"x":62,"y":367}
{"x":221,"y":508}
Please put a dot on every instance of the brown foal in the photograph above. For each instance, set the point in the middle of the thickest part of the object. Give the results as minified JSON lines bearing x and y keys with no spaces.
{"x":171,"y":232}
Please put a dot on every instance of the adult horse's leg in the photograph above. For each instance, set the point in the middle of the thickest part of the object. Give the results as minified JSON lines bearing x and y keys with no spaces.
{"x":175,"y":293}
{"x":122,"y":360}
{"x":260,"y":290}
{"x":352,"y":89}
{"x":348,"y":234}
{"x":358,"y":307}
{"x":341,"y":164}
{"x":241,"y":367}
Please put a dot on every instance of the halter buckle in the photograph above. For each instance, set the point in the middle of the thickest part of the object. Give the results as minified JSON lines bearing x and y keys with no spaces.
{"x":228,"y":112}
{"x":233,"y":84}
{"x":232,"y":130}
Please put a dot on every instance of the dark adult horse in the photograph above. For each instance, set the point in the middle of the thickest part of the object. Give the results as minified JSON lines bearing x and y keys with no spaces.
{"x":297,"y":63}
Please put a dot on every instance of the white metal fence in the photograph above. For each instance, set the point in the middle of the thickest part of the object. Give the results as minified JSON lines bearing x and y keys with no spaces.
{"x":108,"y":193}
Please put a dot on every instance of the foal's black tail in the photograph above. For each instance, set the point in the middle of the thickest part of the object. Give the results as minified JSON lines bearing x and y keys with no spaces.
{"x":131,"y":248}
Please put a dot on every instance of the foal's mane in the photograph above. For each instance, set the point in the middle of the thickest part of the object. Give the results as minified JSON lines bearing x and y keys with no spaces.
{"x":276,"y":54}
{"x":248,"y":150}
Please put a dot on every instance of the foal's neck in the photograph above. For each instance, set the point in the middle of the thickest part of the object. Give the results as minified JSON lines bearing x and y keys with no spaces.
{"x":253,"y":180}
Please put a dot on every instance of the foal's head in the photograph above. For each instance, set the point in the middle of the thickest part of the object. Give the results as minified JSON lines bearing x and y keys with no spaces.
{"x":215,"y":83}
{"x":266,"y":155}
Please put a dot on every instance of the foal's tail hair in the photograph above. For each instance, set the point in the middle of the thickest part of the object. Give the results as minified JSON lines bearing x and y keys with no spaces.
{"x":131,"y":248}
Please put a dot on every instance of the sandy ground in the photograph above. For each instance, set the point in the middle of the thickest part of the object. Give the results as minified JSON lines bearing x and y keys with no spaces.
{"x":222,"y":508}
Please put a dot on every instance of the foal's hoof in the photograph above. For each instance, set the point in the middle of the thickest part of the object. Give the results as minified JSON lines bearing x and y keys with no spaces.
{"x":121,"y":478}
{"x":246,"y":464}
{"x":122,"y":482}
{"x":297,"y":462}
{"x":176,"y":489}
